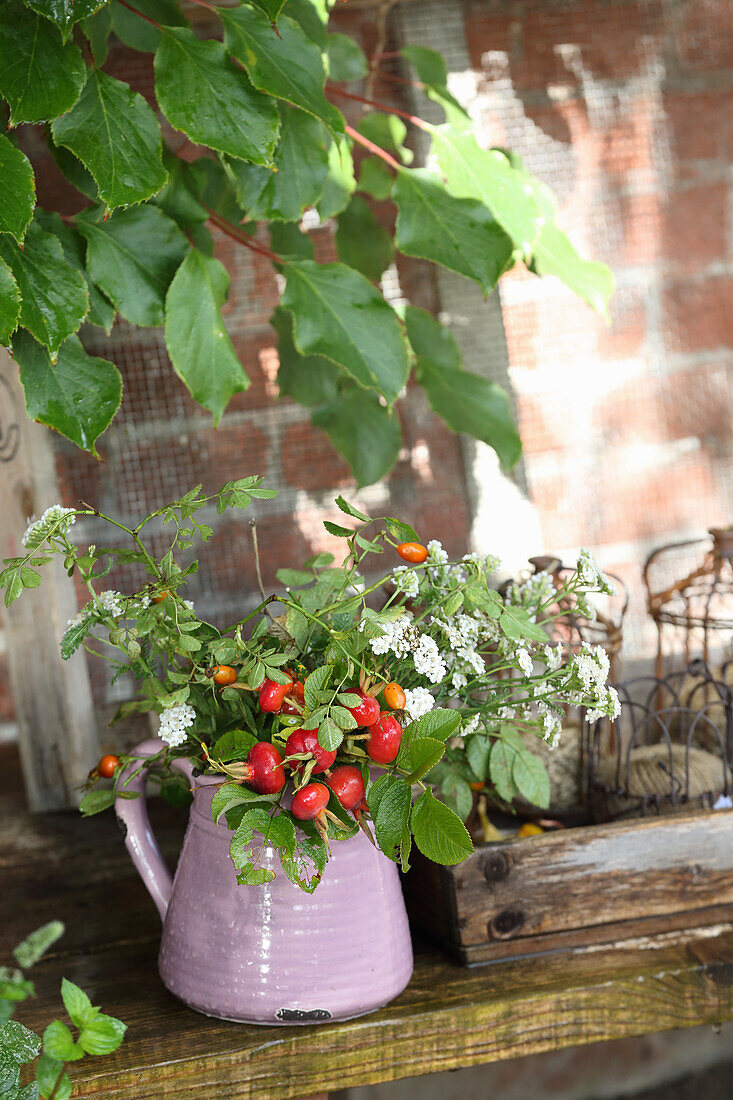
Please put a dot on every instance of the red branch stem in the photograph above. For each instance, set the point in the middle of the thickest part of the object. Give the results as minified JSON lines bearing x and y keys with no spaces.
{"x":145,"y":17}
{"x":379,"y":106}
{"x":376,"y":149}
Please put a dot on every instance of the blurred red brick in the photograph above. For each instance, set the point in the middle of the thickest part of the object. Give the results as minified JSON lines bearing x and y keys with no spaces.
{"x":705,"y":37}
{"x":694,"y":140}
{"x":698,"y":313}
{"x":309,"y":461}
{"x":694,"y":225}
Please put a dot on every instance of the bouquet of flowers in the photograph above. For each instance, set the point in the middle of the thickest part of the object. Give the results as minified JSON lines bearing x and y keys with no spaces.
{"x":343,"y":701}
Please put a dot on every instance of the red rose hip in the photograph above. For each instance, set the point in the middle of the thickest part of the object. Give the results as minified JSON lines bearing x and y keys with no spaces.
{"x":301,"y":741}
{"x":272,"y":696}
{"x":265,"y":772}
{"x":310,"y":802}
{"x":347,"y":784}
{"x":413,"y":552}
{"x":108,"y":765}
{"x":383,"y":742}
{"x":367,"y":712}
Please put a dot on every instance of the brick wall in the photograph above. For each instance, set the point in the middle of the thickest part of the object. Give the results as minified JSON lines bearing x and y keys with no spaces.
{"x":625,"y":108}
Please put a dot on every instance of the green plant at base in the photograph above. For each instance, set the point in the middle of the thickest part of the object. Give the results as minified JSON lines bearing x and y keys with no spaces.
{"x":469,"y":671}
{"x":97,"y":1034}
{"x":272,"y":144}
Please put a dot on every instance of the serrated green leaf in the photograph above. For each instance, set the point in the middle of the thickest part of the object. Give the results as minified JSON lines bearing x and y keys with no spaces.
{"x":485,"y":174}
{"x":346,"y":59}
{"x":330,"y":735}
{"x":554,"y":254}
{"x":286,"y":65}
{"x":348,"y":509}
{"x":254,"y":876}
{"x":47,"y":1074}
{"x":311,"y":15}
{"x":102,"y":1035}
{"x":211,"y":100}
{"x":200,"y":348}
{"x":361,"y":242}
{"x":315,"y":683}
{"x":9,"y":303}
{"x":460,"y":234}
{"x":19,"y":190}
{"x":301,"y":164}
{"x":439,"y":832}
{"x":501,"y":763}
{"x":97,"y":29}
{"x":516,"y":623}
{"x":339,"y":314}
{"x":137,"y":32}
{"x":73,"y":169}
{"x":433,"y":74}
{"x":288,"y":240}
{"x":9,"y":1076}
{"x":55,"y":296}
{"x":440,"y":724}
{"x":101,"y":310}
{"x":388,"y":132}
{"x":456,"y":793}
{"x":133,"y":257}
{"x":40,"y":76}
{"x":58,"y":1042}
{"x":467,"y":402}
{"x":362,"y":430}
{"x":417,"y":757}
{"x":64,"y":13}
{"x":389,"y":801}
{"x":271,"y":8}
{"x":375,"y":178}
{"x":95,"y":802}
{"x":22,"y":1044}
{"x":30,"y":1092}
{"x":478,"y":750}
{"x":78,"y":395}
{"x":340,"y":181}
{"x":310,"y":380}
{"x":531,"y":778}
{"x":114,"y":132}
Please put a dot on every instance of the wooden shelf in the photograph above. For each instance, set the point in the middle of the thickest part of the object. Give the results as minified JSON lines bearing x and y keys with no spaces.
{"x":59,"y":866}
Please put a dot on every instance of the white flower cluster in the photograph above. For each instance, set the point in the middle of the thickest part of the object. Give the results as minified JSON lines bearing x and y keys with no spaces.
{"x":428,"y":661}
{"x":54,"y":520}
{"x":537,"y":589}
{"x":588,"y":670}
{"x":466,"y":633}
{"x":406,"y":580}
{"x":174,"y":722}
{"x":398,"y":636}
{"x":418,"y":701}
{"x":111,"y":601}
{"x":471,"y":725}
{"x":553,"y":657}
{"x":591,"y":575}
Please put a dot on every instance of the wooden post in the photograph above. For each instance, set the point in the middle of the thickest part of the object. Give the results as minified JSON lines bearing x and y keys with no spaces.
{"x":58,"y":733}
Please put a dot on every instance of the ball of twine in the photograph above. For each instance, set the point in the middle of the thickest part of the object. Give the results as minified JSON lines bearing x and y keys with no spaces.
{"x":667,"y":778}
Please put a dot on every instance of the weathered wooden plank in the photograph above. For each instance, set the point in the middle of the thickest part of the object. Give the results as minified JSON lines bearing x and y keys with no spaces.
{"x":58,"y":731}
{"x":615,"y":874}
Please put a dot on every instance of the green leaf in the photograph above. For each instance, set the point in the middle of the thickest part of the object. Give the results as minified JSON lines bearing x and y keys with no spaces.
{"x":485,"y":174}
{"x":78,"y":395}
{"x":400,"y":530}
{"x":209,"y":186}
{"x":467,"y":402}
{"x":203,"y":93}
{"x":80,"y":1009}
{"x":9,"y":1076}
{"x":330,"y":735}
{"x":64,"y":13}
{"x":388,"y":132}
{"x":73,"y":169}
{"x":137,"y":32}
{"x":58,"y":1042}
{"x":22,"y":1044}
{"x":516,"y":623}
{"x":133,"y":257}
{"x":95,"y":802}
{"x":389,"y":801}
{"x":339,"y":314}
{"x":554,"y":254}
{"x":478,"y":750}
{"x":230,"y":796}
{"x":37,"y":944}
{"x":97,"y":30}
{"x":301,"y":164}
{"x":375,"y":178}
{"x":368,"y":435}
{"x":456,"y":793}
{"x":254,"y":876}
{"x":348,"y":509}
{"x":47,"y":1074}
{"x":101,"y":310}
{"x":294,"y":577}
{"x":102,"y":1035}
{"x":419,"y":756}
{"x":310,"y":380}
{"x":440,"y":724}
{"x":9,"y":303}
{"x":201,"y":351}
{"x":430,"y":66}
{"x":30,"y":1092}
{"x":340,"y":181}
{"x":19,"y":190}
{"x":439,"y":832}
{"x":286,"y":65}
{"x":460,"y":234}
{"x":271,"y":8}
{"x":531,"y":778}
{"x":312,"y":17}
{"x":40,"y":76}
{"x":114,"y":132}
{"x":501,"y":763}
{"x":315,"y":684}
{"x":55,"y":296}
{"x":287,"y":240}
{"x":361,"y":242}
{"x":346,"y":59}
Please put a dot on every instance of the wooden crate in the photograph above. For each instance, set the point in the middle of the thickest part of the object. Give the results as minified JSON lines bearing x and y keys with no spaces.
{"x":575,"y":887}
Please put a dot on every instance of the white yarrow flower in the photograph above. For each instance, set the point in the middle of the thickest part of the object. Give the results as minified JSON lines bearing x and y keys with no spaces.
{"x":418,"y":701}
{"x":54,"y":520}
{"x":471,"y":725}
{"x":111,"y":601}
{"x":436,"y":553}
{"x":524,"y":660}
{"x":427,"y":659}
{"x":174,"y":722}
{"x":406,"y":580}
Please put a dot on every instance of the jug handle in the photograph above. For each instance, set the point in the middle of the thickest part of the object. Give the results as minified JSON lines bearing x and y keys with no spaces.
{"x":132,"y":814}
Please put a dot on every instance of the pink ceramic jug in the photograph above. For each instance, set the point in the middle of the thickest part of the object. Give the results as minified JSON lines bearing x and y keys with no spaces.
{"x":269,"y":954}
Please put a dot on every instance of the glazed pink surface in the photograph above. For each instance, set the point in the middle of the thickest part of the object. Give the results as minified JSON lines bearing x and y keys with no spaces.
{"x":270,"y":954}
